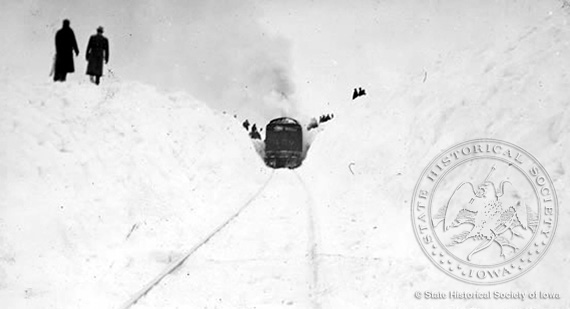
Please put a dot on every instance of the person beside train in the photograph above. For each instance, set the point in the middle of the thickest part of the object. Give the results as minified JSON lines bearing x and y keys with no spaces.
{"x":254,"y":134}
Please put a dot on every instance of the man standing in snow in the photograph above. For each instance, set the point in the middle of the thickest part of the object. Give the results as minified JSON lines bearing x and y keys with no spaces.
{"x":254,"y":133}
{"x":97,"y":51}
{"x":65,"y":45}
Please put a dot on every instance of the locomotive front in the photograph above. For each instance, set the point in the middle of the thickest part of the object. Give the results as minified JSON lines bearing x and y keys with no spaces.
{"x":283,"y":143}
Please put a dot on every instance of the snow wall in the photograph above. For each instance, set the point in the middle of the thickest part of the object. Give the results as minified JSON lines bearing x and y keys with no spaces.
{"x":102,"y":187}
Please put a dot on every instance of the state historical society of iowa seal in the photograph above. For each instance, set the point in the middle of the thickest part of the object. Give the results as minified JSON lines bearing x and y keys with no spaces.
{"x":484,"y":211}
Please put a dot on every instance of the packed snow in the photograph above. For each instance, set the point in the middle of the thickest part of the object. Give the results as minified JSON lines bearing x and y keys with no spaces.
{"x":103,"y":188}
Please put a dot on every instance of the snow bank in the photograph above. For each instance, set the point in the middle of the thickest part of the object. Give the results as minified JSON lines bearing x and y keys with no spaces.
{"x":363,"y":166}
{"x":103,"y":186}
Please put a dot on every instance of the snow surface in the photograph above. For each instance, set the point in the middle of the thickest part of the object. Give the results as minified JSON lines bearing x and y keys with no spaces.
{"x":84,"y":167}
{"x":102,"y":188}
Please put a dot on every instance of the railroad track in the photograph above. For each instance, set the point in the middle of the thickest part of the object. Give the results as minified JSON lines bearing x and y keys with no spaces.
{"x":176,"y":264}
{"x":312,"y":261}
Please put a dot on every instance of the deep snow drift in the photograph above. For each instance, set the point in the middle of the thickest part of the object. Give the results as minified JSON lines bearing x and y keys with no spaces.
{"x":103,"y":187}
{"x":364,"y":165}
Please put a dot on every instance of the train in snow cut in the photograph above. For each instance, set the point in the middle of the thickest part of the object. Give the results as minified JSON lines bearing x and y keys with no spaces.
{"x":283,"y":143}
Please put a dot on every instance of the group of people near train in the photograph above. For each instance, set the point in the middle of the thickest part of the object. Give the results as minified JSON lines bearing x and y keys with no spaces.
{"x":254,"y":133}
{"x":66,"y":45}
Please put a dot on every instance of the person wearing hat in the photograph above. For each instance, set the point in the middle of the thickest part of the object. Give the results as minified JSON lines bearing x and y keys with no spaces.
{"x":65,"y":45}
{"x":97,"y":51}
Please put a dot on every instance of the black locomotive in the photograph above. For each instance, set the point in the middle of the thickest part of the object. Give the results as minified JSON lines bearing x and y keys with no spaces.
{"x":283,"y":143}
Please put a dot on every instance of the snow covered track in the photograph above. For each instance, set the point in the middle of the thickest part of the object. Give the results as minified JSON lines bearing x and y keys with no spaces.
{"x":311,"y":245}
{"x":104,"y":188}
{"x":266,"y":258}
{"x":176,"y":264}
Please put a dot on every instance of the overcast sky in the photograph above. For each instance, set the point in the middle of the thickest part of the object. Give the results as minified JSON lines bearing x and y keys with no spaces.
{"x":262,"y":57}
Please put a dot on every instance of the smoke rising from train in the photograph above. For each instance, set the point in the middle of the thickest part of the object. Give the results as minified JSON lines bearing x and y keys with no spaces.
{"x":225,"y":58}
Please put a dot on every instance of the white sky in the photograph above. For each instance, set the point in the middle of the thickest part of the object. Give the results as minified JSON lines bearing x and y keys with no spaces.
{"x":235,"y":55}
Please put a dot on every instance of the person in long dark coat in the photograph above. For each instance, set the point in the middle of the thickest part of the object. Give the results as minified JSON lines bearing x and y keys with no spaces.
{"x":97,"y":51}
{"x":65,"y":45}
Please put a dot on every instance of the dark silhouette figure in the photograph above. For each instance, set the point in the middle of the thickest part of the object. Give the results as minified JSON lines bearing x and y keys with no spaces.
{"x":246,"y":125}
{"x":97,"y":51}
{"x":65,"y":45}
{"x":358,"y":92}
{"x":325,"y":118}
{"x":254,"y":133}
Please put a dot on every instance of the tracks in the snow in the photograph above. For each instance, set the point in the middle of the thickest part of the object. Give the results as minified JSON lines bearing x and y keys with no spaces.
{"x":311,"y":245}
{"x":311,"y":251}
{"x":172,"y":267}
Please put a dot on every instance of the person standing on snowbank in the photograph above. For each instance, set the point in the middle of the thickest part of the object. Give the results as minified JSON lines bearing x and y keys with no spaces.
{"x":254,"y":133}
{"x":97,"y":51}
{"x":65,"y":45}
